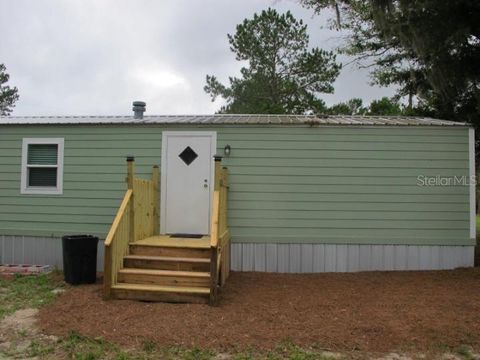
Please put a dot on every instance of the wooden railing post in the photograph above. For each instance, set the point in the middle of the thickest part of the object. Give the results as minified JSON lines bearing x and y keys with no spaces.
{"x":218,"y":171}
{"x":130,"y":171}
{"x":107,"y":273}
{"x":156,"y":200}
{"x":130,"y":179}
{"x":215,"y":251}
{"x":223,"y":226}
{"x":213,"y":276}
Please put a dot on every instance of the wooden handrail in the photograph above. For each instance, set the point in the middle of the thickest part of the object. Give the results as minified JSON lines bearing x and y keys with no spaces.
{"x":118,"y":217}
{"x":136,"y":218}
{"x":116,"y":242}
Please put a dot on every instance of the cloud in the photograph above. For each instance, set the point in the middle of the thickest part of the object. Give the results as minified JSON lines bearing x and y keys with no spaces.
{"x":95,"y":57}
{"x":159,"y":77}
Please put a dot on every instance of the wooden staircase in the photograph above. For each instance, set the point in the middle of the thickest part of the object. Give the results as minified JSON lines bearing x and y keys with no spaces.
{"x":160,"y":267}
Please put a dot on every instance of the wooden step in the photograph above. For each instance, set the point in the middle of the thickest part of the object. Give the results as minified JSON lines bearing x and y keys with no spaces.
{"x":171,"y":251}
{"x":168,"y":241}
{"x":144,"y":292}
{"x":166,"y":263}
{"x":164,"y":277}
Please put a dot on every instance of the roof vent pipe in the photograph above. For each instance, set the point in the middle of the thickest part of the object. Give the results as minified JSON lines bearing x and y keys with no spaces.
{"x":138,"y":109}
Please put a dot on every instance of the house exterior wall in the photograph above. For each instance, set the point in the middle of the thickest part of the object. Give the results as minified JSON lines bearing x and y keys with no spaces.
{"x":288,"y":184}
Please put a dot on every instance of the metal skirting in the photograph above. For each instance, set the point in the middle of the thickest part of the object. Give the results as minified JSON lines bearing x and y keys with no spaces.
{"x":37,"y":250}
{"x":315,"y":258}
{"x":283,"y":258}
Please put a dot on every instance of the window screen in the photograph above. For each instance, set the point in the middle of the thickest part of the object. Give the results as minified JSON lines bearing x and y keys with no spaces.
{"x":42,"y":165}
{"x":42,"y":154}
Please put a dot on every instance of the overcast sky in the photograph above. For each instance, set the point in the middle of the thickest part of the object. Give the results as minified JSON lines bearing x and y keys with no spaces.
{"x":94,"y":57}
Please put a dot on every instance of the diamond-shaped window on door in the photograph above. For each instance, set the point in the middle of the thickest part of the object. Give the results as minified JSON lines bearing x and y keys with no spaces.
{"x":188,"y":155}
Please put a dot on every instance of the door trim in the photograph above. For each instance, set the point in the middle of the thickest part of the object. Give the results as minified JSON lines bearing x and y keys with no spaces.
{"x":163,"y":170}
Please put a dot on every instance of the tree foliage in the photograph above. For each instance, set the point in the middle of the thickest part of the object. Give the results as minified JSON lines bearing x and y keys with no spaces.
{"x":384,"y":106}
{"x":429,"y":48}
{"x":8,"y":95}
{"x":351,"y":107}
{"x":283,"y":75}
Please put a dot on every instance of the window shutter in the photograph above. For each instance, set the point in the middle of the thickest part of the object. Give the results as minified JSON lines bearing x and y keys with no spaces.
{"x":42,"y":154}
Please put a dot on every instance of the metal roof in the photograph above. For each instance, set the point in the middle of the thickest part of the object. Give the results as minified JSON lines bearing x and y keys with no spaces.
{"x":231,"y":119}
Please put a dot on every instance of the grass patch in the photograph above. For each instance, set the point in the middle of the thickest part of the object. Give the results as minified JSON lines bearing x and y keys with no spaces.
{"x":38,"y":349}
{"x":465,"y":351}
{"x":27,"y":292}
{"x":80,"y":347}
{"x":149,"y":346}
{"x":289,"y":350}
{"x":187,"y":354}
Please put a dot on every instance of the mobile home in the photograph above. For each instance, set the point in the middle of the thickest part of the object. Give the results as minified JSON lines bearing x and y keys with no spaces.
{"x":297,"y":194}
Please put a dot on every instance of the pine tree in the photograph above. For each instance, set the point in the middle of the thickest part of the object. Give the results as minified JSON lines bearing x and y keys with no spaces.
{"x":283,"y":75}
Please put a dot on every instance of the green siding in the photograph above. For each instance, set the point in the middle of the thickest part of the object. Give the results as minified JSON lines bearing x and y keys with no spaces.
{"x":288,"y":184}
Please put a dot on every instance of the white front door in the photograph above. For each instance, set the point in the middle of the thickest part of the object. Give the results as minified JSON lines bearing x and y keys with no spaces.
{"x":187,"y":181}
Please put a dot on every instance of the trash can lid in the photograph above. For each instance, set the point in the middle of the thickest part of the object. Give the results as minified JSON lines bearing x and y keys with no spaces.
{"x":77,"y":237}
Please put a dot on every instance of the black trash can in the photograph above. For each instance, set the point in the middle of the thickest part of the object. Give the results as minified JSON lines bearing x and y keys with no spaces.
{"x":80,"y":258}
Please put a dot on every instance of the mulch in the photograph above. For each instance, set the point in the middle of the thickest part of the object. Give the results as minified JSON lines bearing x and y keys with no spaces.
{"x":366,"y":312}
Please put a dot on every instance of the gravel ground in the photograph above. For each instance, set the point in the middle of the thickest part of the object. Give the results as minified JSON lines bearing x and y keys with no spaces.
{"x":370,"y":312}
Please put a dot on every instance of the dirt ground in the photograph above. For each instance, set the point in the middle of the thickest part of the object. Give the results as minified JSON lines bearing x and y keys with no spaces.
{"x":376,"y":312}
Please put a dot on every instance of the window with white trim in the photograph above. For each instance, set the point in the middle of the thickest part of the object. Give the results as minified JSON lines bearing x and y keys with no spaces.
{"x":42,"y":166}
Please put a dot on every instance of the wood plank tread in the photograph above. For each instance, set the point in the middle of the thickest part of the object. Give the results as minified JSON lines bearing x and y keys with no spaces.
{"x":199,"y":274}
{"x":168,"y":258}
{"x":160,"y":288}
{"x":167,"y":241}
